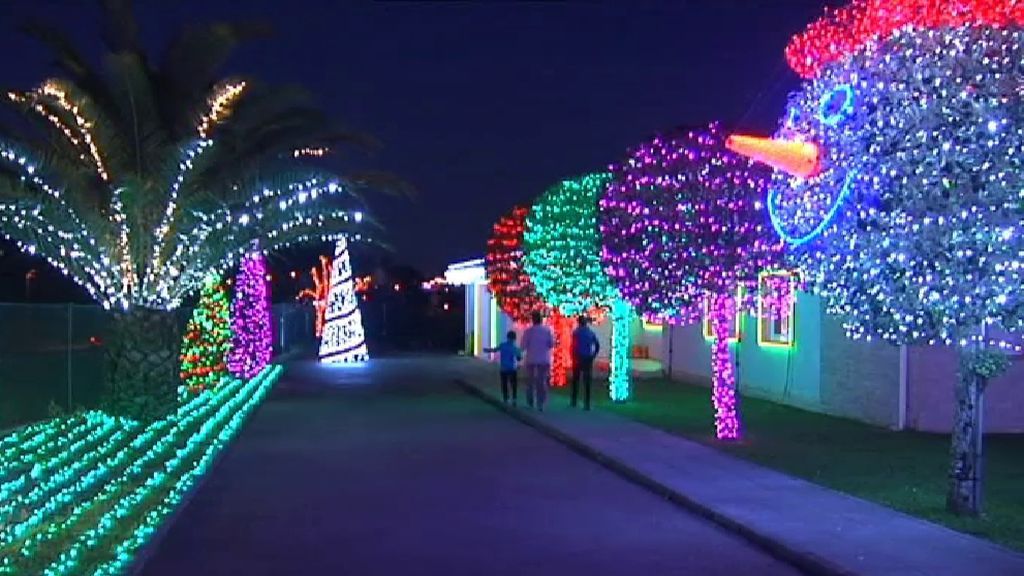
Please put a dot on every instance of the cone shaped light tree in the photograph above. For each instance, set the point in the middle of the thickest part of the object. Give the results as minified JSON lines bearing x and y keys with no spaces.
{"x":252,"y":341}
{"x":139,"y":180}
{"x":685,"y":234}
{"x":911,"y":228}
{"x":207,"y":338}
{"x":563,"y":258}
{"x":344,"y":339}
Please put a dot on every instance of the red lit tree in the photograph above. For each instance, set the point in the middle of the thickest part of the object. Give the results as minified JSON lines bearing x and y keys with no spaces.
{"x":514,"y":290}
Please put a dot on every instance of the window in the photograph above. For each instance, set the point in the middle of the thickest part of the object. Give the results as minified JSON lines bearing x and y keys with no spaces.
{"x":776,"y":309}
{"x":736,"y":328}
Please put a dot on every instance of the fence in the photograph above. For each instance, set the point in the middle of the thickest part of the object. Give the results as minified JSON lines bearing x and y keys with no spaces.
{"x":51,"y":355}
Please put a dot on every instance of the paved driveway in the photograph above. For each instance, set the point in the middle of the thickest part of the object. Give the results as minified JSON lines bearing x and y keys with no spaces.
{"x":389,"y":468}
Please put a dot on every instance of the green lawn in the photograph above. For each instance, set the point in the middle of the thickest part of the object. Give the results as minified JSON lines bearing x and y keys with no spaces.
{"x":903,"y":470}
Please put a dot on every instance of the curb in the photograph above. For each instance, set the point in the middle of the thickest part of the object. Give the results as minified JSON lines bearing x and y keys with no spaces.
{"x":804,"y":561}
{"x":145,"y":552}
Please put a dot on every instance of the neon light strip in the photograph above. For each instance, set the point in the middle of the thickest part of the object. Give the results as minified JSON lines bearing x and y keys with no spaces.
{"x":772,"y":194}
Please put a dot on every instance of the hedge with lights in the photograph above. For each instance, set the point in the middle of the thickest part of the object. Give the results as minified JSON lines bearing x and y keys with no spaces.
{"x":563,"y":257}
{"x":685,"y":233}
{"x":911,"y":227}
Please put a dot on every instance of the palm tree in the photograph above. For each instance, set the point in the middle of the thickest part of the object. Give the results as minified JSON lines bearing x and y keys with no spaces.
{"x":139,"y":179}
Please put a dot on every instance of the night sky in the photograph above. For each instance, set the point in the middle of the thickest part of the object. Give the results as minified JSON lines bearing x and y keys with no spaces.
{"x":483,"y":105}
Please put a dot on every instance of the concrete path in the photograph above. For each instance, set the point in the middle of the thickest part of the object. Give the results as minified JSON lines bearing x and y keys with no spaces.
{"x":819,"y":529}
{"x":393,"y":469}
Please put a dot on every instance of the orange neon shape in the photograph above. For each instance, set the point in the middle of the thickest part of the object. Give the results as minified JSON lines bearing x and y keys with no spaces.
{"x":319,"y":293}
{"x":790,"y":156}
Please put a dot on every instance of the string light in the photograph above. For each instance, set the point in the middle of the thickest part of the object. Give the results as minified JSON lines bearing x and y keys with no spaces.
{"x":207,"y":338}
{"x":851,"y":28}
{"x":318,"y":294}
{"x":343,"y":339}
{"x":912,"y":230}
{"x":80,"y":136}
{"x":252,"y":342}
{"x":220,"y":102}
{"x":563,"y":258}
{"x":68,"y":514}
{"x":187,"y":244}
{"x":682,"y":224}
{"x":506,"y":274}
{"x":311,"y":152}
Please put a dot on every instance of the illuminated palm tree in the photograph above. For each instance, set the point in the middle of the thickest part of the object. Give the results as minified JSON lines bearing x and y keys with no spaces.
{"x":139,"y":181}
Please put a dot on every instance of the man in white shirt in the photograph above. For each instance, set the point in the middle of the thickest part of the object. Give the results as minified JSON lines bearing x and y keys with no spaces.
{"x":538,"y":343}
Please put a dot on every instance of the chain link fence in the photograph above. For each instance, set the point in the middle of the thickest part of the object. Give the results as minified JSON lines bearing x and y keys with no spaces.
{"x":51,"y":355}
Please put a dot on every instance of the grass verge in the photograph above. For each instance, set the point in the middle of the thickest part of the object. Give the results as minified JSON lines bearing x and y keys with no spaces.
{"x":906,"y":471}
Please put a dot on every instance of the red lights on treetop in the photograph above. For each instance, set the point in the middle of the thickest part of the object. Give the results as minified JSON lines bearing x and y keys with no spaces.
{"x":843,"y":31}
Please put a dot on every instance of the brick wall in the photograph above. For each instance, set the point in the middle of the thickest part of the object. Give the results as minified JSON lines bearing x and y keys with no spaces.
{"x":932,"y":374}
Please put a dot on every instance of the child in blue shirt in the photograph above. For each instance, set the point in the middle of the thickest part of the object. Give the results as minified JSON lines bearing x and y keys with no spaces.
{"x":510,"y":355}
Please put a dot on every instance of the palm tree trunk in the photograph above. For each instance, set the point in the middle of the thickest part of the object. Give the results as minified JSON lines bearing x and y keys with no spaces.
{"x":142,"y":363}
{"x":965,"y":486}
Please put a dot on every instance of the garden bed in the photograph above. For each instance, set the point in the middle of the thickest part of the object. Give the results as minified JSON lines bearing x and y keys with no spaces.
{"x":81,"y":494}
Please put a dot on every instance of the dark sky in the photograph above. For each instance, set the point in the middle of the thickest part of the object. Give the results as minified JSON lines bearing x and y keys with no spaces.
{"x":483,"y":105}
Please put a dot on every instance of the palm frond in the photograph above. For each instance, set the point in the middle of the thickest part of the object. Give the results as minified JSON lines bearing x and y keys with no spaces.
{"x":191,"y":64}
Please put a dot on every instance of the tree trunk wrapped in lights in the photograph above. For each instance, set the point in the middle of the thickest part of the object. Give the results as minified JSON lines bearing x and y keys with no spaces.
{"x":684,"y":229}
{"x":139,"y":180}
{"x":897,"y":182}
{"x":562,"y":247}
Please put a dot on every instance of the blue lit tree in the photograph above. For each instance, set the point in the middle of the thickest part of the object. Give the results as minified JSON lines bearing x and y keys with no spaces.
{"x":901,"y":165}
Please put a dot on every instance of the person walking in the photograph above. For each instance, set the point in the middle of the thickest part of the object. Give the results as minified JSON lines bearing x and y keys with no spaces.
{"x":510,"y":355}
{"x":584,"y":349}
{"x":538,"y":342}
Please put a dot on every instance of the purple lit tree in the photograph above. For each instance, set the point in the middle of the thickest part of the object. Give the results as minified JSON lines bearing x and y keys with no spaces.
{"x":251,"y":347}
{"x":684,"y":232}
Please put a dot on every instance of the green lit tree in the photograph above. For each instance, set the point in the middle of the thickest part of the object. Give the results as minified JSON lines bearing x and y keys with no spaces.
{"x":563,"y":258}
{"x":207,"y":338}
{"x":139,"y":181}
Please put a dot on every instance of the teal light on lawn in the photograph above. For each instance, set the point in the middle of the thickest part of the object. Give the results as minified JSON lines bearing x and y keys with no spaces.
{"x":81,"y":494}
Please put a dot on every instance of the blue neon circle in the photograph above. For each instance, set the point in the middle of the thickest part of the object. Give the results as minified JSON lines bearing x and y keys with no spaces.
{"x":826,"y":103}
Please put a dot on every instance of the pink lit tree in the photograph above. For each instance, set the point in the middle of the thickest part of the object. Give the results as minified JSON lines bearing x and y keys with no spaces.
{"x":251,"y":347}
{"x":684,"y":232}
